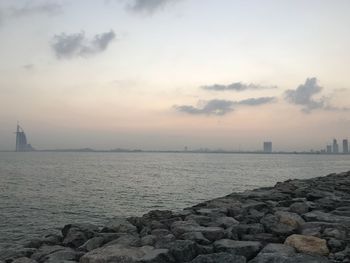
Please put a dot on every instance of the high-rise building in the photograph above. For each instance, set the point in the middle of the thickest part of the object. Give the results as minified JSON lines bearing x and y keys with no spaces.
{"x":21,"y":141}
{"x":267,"y":147}
{"x":345,"y":146}
{"x":335,"y":146}
{"x":329,"y":149}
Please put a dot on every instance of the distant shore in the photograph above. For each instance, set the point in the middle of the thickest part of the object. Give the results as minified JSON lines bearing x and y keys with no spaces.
{"x":89,"y":150}
{"x":294,"y":221}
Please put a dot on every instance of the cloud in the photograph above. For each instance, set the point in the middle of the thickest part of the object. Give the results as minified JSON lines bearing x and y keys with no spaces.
{"x":305,"y":94}
{"x":220,"y":107}
{"x":237,"y":86}
{"x":77,"y":45}
{"x":149,"y":6}
{"x":47,"y":8}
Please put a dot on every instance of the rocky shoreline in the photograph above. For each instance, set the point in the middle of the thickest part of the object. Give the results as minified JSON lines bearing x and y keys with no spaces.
{"x":294,"y":221}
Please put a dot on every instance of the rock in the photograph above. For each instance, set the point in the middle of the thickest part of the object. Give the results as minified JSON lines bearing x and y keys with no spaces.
{"x":16,"y":252}
{"x":242,"y":229}
{"x":308,"y":244}
{"x":325,"y":217}
{"x":272,"y":224}
{"x":213,"y":233}
{"x":180,"y":227}
{"x":160,"y":232}
{"x":120,"y":225}
{"x":282,"y":223}
{"x":334,"y":232}
{"x":126,"y":240}
{"x":225,"y":222}
{"x":24,"y":260}
{"x":304,"y":258}
{"x":52,"y":239}
{"x":299,"y":208}
{"x":199,"y":219}
{"x":205,"y":249}
{"x":92,"y":244}
{"x":264,"y":238}
{"x":274,"y":253}
{"x":195,"y":236}
{"x":219,"y":258}
{"x":163,"y":241}
{"x":75,"y":238}
{"x":148,"y":240}
{"x":248,"y":249}
{"x":67,"y":254}
{"x":88,"y":229}
{"x":116,"y":253}
{"x":183,"y":250}
{"x":336,"y":245}
{"x":46,"y":250}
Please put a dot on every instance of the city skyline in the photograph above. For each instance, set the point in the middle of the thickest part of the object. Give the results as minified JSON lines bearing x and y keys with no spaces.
{"x":169,"y":73}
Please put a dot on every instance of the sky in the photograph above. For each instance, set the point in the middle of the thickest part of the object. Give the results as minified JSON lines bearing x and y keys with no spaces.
{"x":165,"y":74}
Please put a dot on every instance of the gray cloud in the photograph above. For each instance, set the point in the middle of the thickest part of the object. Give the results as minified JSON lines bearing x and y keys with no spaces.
{"x":77,"y":45}
{"x":149,"y":6}
{"x":221,"y":107}
{"x":304,"y":96}
{"x":237,"y":86}
{"x":47,"y":8}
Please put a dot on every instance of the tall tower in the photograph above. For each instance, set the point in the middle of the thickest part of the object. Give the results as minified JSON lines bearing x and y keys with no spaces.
{"x":335,"y":146}
{"x":21,"y":141}
{"x":345,"y":146}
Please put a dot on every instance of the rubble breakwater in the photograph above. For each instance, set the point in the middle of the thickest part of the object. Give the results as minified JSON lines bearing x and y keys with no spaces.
{"x":294,"y":221}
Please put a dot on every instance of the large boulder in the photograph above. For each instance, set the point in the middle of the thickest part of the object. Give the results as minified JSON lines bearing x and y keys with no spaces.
{"x":219,"y":258}
{"x":248,"y":249}
{"x":117,"y":253}
{"x":24,"y":260}
{"x":308,"y":244}
{"x":15,"y":252}
{"x":45,"y":252}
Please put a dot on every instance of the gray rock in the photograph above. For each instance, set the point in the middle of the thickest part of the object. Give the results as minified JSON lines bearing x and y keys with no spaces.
{"x":126,"y":240}
{"x":213,"y":233}
{"x":46,"y":250}
{"x":160,"y":232}
{"x":278,"y":249}
{"x":304,"y":258}
{"x":75,"y":238}
{"x":205,"y":249}
{"x":195,"y":236}
{"x":63,"y":255}
{"x":148,"y":240}
{"x":326,"y":217}
{"x":92,"y":244}
{"x":24,"y":260}
{"x":299,"y":208}
{"x":273,"y":225}
{"x":225,"y":222}
{"x":219,"y":258}
{"x":183,"y":250}
{"x":16,"y":252}
{"x":199,"y":219}
{"x":116,"y":253}
{"x":248,"y":249}
{"x":180,"y":227}
{"x":120,"y":225}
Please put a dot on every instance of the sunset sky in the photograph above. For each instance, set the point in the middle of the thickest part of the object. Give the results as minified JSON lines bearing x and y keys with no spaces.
{"x":165,"y":74}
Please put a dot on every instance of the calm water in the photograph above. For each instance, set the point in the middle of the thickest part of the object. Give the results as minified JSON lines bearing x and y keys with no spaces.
{"x":40,"y":191}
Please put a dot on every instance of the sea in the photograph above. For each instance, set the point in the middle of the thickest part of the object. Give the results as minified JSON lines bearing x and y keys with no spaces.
{"x":40,"y":192}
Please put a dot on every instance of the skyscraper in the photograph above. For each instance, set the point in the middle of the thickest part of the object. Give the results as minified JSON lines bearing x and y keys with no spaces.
{"x":345,"y":146}
{"x":21,"y":141}
{"x":329,"y":149}
{"x":335,"y":146}
{"x":267,"y":147}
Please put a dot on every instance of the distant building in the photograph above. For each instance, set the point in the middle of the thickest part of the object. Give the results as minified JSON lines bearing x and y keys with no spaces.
{"x":335,"y":146}
{"x":21,"y":141}
{"x":329,"y":149}
{"x":267,"y":147}
{"x":345,"y":146}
